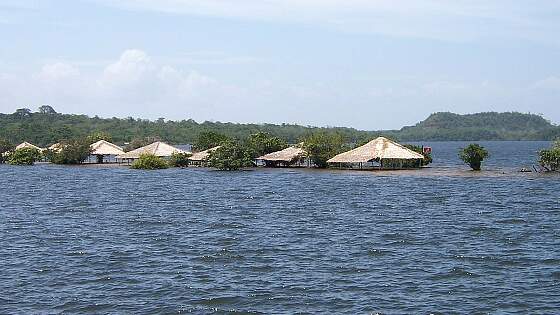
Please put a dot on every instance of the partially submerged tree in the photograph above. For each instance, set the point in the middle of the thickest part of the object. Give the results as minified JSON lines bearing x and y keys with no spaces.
{"x":321,"y":146}
{"x":149,"y":161}
{"x":473,"y":155}
{"x":230,"y":156}
{"x":74,"y":151}
{"x":180,"y":159}
{"x":24,"y":156}
{"x":549,"y":159}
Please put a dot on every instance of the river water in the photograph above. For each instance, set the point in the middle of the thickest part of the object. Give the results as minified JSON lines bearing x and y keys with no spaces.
{"x":439,"y":240}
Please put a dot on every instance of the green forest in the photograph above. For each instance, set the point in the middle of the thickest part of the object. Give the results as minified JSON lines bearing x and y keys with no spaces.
{"x":45,"y":126}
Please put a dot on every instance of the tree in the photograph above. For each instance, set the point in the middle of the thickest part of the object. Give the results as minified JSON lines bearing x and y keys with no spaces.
{"x":321,"y":146}
{"x":22,"y":112}
{"x":74,"y":151}
{"x":99,"y":135}
{"x":5,"y":148}
{"x":179,"y":159}
{"x":148,"y":161}
{"x":46,"y":109}
{"x":24,"y":156}
{"x":550,"y":158}
{"x":473,"y":155}
{"x":230,"y":156}
{"x":262,"y":143}
{"x":209,"y":139}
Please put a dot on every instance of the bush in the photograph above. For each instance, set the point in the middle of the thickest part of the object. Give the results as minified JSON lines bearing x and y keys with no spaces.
{"x":24,"y":156}
{"x":322,"y":146}
{"x":149,"y":161}
{"x":72,"y":152}
{"x":550,"y":158}
{"x":230,"y":156}
{"x":179,"y":159}
{"x":473,"y":155}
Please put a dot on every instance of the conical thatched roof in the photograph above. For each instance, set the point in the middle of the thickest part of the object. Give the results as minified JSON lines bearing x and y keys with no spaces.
{"x":26,"y":145}
{"x":203,"y":155}
{"x":103,"y":147}
{"x":160,"y":149}
{"x":57,"y":147}
{"x":287,"y":155}
{"x":379,"y":148}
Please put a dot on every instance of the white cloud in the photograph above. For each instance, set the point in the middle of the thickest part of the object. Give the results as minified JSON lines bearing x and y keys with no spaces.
{"x":57,"y":71}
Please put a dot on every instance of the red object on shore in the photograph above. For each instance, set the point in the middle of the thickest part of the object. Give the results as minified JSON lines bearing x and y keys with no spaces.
{"x":428,"y":150}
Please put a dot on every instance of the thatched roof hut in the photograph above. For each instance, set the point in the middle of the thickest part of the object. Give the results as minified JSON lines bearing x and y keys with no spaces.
{"x":26,"y":145}
{"x":103,"y":147}
{"x":57,"y":147}
{"x":203,"y":155}
{"x":287,"y":155}
{"x":160,"y":149}
{"x":378,"y":149}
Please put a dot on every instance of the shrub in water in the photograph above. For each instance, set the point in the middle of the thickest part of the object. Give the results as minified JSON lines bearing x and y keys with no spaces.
{"x":73,"y":152}
{"x":473,"y":155}
{"x":231,"y":156}
{"x":149,"y":162}
{"x":322,"y":146}
{"x":179,"y":159}
{"x":24,"y":156}
{"x":550,"y":158}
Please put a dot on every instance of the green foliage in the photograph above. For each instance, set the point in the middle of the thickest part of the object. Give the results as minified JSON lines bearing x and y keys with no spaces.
{"x":231,"y":156}
{"x":45,"y":127}
{"x":74,"y":151}
{"x":179,"y":159}
{"x":321,"y":146}
{"x":46,"y":109}
{"x":209,"y":139}
{"x":149,"y":162}
{"x":5,"y":148}
{"x":99,"y":135}
{"x":262,"y":143}
{"x":24,"y":156}
{"x":473,"y":155}
{"x":480,"y":126}
{"x":550,"y":158}
{"x":420,"y":149}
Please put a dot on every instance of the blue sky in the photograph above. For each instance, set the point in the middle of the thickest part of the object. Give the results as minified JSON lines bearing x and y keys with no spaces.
{"x":369,"y":64}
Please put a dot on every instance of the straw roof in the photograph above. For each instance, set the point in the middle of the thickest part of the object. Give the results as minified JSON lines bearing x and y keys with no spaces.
{"x":160,"y":149}
{"x":287,"y":155}
{"x":203,"y":155}
{"x":26,"y":145}
{"x":57,"y":147}
{"x":103,"y":147}
{"x":379,"y":148}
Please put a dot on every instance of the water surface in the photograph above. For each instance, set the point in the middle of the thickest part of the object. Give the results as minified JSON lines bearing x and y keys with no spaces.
{"x":115,"y":240}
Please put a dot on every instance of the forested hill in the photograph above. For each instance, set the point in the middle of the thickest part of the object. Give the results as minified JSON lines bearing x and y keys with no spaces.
{"x":46,"y":126}
{"x":481,"y":126}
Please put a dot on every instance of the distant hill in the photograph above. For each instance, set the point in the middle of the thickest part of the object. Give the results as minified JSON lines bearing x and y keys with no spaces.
{"x":46,"y":126}
{"x":481,"y":126}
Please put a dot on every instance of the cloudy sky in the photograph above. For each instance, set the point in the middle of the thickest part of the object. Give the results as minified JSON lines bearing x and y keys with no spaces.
{"x":369,"y":64}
